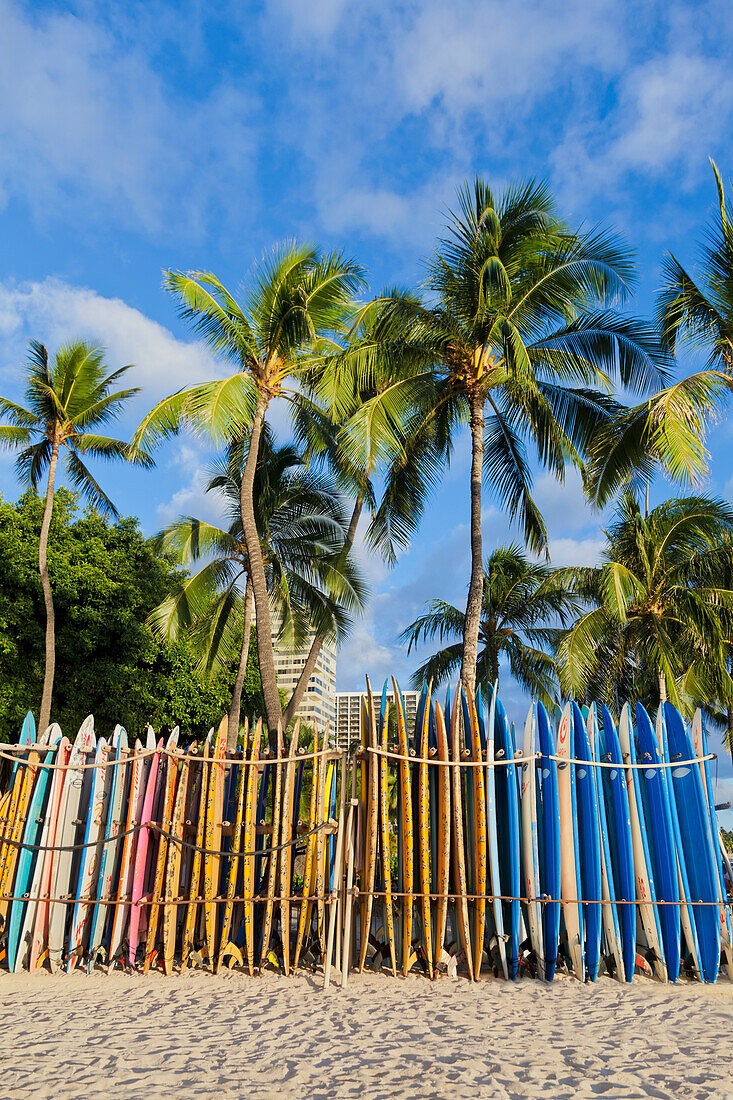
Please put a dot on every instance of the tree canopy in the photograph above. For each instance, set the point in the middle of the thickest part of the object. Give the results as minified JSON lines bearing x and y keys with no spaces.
{"x":107,"y":578}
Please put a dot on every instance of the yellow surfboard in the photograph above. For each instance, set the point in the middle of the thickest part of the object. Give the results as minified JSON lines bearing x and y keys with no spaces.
{"x":272,"y":872}
{"x":160,"y":863}
{"x":423,"y":826}
{"x":173,"y":872}
{"x":227,"y":948}
{"x":212,"y":858}
{"x":250,"y":840}
{"x":370,"y":765}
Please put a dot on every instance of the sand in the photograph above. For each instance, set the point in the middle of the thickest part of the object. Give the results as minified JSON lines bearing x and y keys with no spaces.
{"x":129,"y":1036}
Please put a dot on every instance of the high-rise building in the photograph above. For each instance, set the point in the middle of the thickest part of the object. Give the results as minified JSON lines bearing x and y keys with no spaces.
{"x":318,"y":705}
{"x":348,"y":714}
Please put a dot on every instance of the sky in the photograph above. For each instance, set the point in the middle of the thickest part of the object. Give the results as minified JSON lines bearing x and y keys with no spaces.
{"x":138,"y":137}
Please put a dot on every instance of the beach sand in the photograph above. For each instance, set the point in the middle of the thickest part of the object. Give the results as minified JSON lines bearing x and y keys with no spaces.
{"x":128,"y":1036}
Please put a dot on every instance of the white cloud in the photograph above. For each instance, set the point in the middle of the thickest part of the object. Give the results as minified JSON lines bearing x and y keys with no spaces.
{"x":55,"y":312}
{"x":86,"y":115}
{"x":567,"y":551}
{"x":672,"y":112}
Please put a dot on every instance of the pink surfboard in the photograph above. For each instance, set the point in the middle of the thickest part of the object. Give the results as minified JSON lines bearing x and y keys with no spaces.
{"x":141,"y":857}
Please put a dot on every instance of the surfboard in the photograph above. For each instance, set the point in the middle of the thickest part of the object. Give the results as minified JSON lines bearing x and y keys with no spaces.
{"x":507,"y":812}
{"x":699,"y":741}
{"x":530,"y":844}
{"x":370,"y":773}
{"x":69,"y":833}
{"x":164,"y":818}
{"x":687,"y":916}
{"x":458,"y":847}
{"x":272,"y":872}
{"x":385,"y":829}
{"x":618,"y":818}
{"x":227,"y":948}
{"x":423,"y":828}
{"x":127,"y":859}
{"x":548,"y":800}
{"x":611,"y":926}
{"x":141,"y":857}
{"x":645,"y":892}
{"x":442,"y":856}
{"x":286,"y":836}
{"x":39,"y":927}
{"x":194,"y":883}
{"x":694,"y":836}
{"x":22,"y":912}
{"x":570,"y":856}
{"x":96,"y":816}
{"x":586,"y":804}
{"x":660,"y":839}
{"x":407,"y":840}
{"x":111,"y":846}
{"x":175,"y":860}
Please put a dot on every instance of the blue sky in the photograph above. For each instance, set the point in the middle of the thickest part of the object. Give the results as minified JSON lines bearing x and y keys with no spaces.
{"x":143,"y":136}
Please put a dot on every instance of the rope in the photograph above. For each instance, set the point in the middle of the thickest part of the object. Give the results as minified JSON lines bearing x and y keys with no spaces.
{"x":131,"y":756}
{"x":257,"y":898}
{"x":454,"y":763}
{"x":543,"y":900}
{"x":611,"y":764}
{"x":171,"y":836}
{"x":527,"y":759}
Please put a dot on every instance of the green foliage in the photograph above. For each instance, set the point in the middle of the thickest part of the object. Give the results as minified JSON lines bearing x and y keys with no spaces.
{"x":107,"y":578}
{"x":660,"y":617}
{"x":524,"y":606}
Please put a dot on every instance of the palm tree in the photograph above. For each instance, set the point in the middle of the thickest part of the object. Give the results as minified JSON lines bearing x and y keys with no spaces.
{"x":296,"y":294}
{"x":398,"y":448}
{"x":65,"y":402}
{"x":311,"y":584}
{"x":519,"y":341}
{"x":657,"y":627}
{"x":703,"y":311}
{"x":524,"y":607}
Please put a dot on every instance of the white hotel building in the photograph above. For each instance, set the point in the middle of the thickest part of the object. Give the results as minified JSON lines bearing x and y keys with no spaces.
{"x":348,"y":711}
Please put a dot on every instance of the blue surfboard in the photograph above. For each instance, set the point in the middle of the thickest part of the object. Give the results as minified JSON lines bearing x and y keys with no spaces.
{"x":660,"y":839}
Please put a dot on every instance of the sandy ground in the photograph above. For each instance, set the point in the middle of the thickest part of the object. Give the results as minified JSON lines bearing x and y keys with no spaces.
{"x":129,"y":1036}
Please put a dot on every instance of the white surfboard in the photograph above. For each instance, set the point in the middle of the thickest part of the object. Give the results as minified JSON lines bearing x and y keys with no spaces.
{"x":69,"y":832}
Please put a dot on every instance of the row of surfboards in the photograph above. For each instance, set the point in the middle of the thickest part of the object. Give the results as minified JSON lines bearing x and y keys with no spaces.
{"x":586,"y":844}
{"x":146,"y":854}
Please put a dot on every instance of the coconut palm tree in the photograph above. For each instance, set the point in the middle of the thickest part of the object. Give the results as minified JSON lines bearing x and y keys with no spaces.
{"x":656,"y":629}
{"x":65,"y":403}
{"x":524,"y":608}
{"x":702,"y":311}
{"x":518,"y":341}
{"x":668,"y":430}
{"x":401,"y":454}
{"x":311,"y":584}
{"x":295,"y":294}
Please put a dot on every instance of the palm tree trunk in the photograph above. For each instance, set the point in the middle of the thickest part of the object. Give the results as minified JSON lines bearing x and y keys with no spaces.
{"x":50,"y":669}
{"x":317,"y":642}
{"x":472,"y":624}
{"x":662,"y":688}
{"x":266,"y":653}
{"x":235,"y":708}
